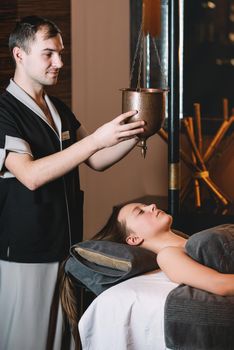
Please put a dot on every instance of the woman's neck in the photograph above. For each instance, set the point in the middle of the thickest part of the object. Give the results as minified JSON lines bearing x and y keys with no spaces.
{"x":166,"y":239}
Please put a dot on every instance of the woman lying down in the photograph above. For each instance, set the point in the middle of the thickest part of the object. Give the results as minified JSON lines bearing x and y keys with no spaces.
{"x":149,"y":227}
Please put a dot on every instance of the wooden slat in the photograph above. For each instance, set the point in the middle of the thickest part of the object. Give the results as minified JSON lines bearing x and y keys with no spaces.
{"x":7,"y":20}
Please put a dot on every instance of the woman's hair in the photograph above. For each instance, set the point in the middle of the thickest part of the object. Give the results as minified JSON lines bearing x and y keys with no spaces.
{"x":68,"y":298}
{"x":112,"y":231}
{"x":25,"y":31}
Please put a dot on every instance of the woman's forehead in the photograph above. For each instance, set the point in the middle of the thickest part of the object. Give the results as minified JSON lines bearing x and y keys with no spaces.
{"x":128,"y":210}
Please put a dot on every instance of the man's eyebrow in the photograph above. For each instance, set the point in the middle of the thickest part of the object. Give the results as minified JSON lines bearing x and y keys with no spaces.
{"x":52,"y":50}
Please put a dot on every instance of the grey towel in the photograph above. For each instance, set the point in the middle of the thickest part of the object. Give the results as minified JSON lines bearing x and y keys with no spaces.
{"x":198,"y":320}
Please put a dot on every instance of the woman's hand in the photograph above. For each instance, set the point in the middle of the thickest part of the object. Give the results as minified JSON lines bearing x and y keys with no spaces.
{"x":118,"y":130}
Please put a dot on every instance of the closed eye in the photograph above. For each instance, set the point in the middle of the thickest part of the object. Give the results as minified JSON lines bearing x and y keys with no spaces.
{"x":138,"y":211}
{"x":141,"y":212}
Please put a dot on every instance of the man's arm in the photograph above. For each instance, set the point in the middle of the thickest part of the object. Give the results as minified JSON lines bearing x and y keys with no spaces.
{"x":35,"y":173}
{"x":182,"y":269}
{"x":107,"y":157}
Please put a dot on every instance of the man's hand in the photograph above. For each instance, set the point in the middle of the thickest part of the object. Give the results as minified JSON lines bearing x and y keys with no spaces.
{"x":118,"y":130}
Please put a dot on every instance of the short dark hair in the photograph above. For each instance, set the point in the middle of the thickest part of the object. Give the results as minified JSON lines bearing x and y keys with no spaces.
{"x":25,"y":30}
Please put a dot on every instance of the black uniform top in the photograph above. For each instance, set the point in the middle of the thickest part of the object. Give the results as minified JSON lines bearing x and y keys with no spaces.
{"x":37,"y":226}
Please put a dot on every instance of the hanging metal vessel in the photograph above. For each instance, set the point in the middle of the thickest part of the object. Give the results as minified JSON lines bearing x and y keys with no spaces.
{"x":148,"y":86}
{"x":150,"y":104}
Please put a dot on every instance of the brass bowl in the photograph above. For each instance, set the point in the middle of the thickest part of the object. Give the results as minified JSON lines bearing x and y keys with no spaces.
{"x":150,"y":104}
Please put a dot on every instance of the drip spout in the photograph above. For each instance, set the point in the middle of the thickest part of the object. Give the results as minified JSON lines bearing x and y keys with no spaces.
{"x":143,"y":146}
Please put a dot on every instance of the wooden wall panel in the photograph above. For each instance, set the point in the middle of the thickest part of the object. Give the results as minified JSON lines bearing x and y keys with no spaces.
{"x":55,"y":10}
{"x":7,"y":20}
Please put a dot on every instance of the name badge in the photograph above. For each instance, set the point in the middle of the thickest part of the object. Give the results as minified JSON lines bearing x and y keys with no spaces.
{"x":65,"y":135}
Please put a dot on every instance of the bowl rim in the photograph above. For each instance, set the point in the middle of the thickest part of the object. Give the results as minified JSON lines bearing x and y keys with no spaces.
{"x":145,"y":90}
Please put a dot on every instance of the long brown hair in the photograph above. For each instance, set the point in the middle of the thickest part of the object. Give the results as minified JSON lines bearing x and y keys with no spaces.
{"x":113,"y":230}
{"x":69,"y":303}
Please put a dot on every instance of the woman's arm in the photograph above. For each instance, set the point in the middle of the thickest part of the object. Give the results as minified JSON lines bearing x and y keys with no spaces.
{"x":182,"y":269}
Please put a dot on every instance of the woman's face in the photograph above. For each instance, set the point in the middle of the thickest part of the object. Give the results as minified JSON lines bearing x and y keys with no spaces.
{"x":144,"y":220}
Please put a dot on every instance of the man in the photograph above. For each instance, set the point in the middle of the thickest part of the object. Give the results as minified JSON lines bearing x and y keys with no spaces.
{"x":41,"y":146}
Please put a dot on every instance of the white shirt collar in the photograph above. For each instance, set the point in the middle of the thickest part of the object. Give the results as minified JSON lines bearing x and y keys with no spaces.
{"x":28,"y":101}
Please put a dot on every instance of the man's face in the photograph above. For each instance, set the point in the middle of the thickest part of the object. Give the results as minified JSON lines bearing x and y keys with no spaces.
{"x":42,"y":63}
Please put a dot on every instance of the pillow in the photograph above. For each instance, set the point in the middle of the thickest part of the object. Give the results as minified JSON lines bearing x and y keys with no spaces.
{"x":99,"y":265}
{"x":213,"y":247}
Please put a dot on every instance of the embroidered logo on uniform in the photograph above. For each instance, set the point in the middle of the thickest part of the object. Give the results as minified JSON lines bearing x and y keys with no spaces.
{"x":65,"y":135}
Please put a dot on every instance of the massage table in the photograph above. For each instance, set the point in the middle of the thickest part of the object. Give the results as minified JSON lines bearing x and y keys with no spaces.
{"x":128,"y":316}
